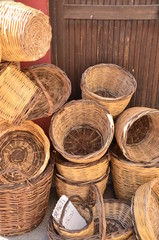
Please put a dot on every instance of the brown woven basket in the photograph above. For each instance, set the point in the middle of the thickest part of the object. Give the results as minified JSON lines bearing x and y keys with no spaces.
{"x":82,"y":131}
{"x":23,"y":205}
{"x":145,"y":211}
{"x":109,"y":85}
{"x":17,"y":94}
{"x":70,"y":188}
{"x":128,"y":176}
{"x":137,"y":134}
{"x":24,"y":152}
{"x":25,"y":32}
{"x":55,"y":86}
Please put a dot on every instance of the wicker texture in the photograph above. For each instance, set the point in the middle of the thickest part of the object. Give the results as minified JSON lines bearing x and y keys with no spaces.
{"x":24,"y":152}
{"x":145,"y":211}
{"x":23,"y":205}
{"x":25,"y":32}
{"x":137,"y":134}
{"x":128,"y":176}
{"x":82,"y":131}
{"x":109,"y":85}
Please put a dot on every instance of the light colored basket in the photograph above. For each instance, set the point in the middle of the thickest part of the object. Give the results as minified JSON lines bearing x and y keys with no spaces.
{"x":137,"y":134}
{"x":145,"y":211}
{"x":82,"y":131}
{"x":128,"y":176}
{"x":109,"y":85}
{"x":25,"y":32}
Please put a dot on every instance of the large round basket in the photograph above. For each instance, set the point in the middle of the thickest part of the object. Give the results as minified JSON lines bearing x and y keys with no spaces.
{"x":25,"y":32}
{"x":145,"y":211}
{"x":109,"y":85}
{"x":23,"y":205}
{"x":82,"y":131}
{"x":55,"y":86}
{"x":24,"y":152}
{"x":128,"y":176}
{"x":82,"y":172}
{"x":137,"y":134}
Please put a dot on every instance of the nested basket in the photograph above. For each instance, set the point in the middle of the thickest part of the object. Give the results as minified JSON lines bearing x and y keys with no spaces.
{"x":82,"y":172}
{"x":23,"y":205}
{"x":24,"y":152}
{"x":55,"y":86}
{"x":145,"y":211}
{"x":128,"y":176}
{"x":137,"y":134}
{"x":25,"y":32}
{"x":82,"y":131}
{"x":109,"y":85}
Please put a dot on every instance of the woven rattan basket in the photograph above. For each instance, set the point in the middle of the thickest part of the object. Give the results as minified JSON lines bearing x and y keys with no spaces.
{"x":23,"y":205}
{"x":24,"y":152}
{"x":145,"y":211}
{"x":109,"y":85}
{"x":128,"y":176}
{"x":25,"y":32}
{"x":82,"y":131}
{"x":137,"y":134}
{"x":55,"y":86}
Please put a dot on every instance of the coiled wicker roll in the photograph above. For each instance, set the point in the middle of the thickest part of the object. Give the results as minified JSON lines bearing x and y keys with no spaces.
{"x":23,"y":205}
{"x":82,"y":131}
{"x":25,"y":32}
{"x":109,"y":85}
{"x":24,"y":152}
{"x":145,"y":211}
{"x":137,"y":134}
{"x":128,"y":176}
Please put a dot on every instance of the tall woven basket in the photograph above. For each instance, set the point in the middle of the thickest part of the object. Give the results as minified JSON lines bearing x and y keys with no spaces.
{"x":109,"y":85}
{"x":25,"y":32}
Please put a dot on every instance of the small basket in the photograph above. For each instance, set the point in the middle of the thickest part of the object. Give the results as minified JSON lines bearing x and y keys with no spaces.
{"x":137,"y":134}
{"x":25,"y":32}
{"x":23,"y":205}
{"x":145,"y":211}
{"x":79,"y":172}
{"x":24,"y":152}
{"x":82,"y":131}
{"x":109,"y":85}
{"x":55,"y":86}
{"x":69,"y":188}
{"x":128,"y":176}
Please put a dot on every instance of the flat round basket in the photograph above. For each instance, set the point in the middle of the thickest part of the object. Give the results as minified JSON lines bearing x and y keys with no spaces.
{"x":55,"y":86}
{"x":82,"y":131}
{"x":137,"y":134}
{"x":145,"y":211}
{"x":109,"y":85}
{"x":24,"y":152}
{"x":128,"y":176}
{"x":25,"y":32}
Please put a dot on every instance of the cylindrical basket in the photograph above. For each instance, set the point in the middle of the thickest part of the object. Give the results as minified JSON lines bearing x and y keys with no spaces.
{"x":137,"y":134}
{"x":128,"y":176}
{"x":25,"y":32}
{"x":82,"y":131}
{"x":109,"y":85}
{"x":145,"y":211}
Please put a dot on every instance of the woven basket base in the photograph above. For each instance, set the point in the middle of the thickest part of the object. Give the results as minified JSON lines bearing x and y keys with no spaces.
{"x":105,"y":93}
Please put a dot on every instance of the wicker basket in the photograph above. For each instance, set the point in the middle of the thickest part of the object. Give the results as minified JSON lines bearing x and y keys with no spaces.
{"x":25,"y":32}
{"x":128,"y":176}
{"x":56,"y":89}
{"x":24,"y":152}
{"x":109,"y":85}
{"x":69,"y":188}
{"x":82,"y":131}
{"x":17,"y":94}
{"x":145,"y":211}
{"x":137,"y":134}
{"x":23,"y":205}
